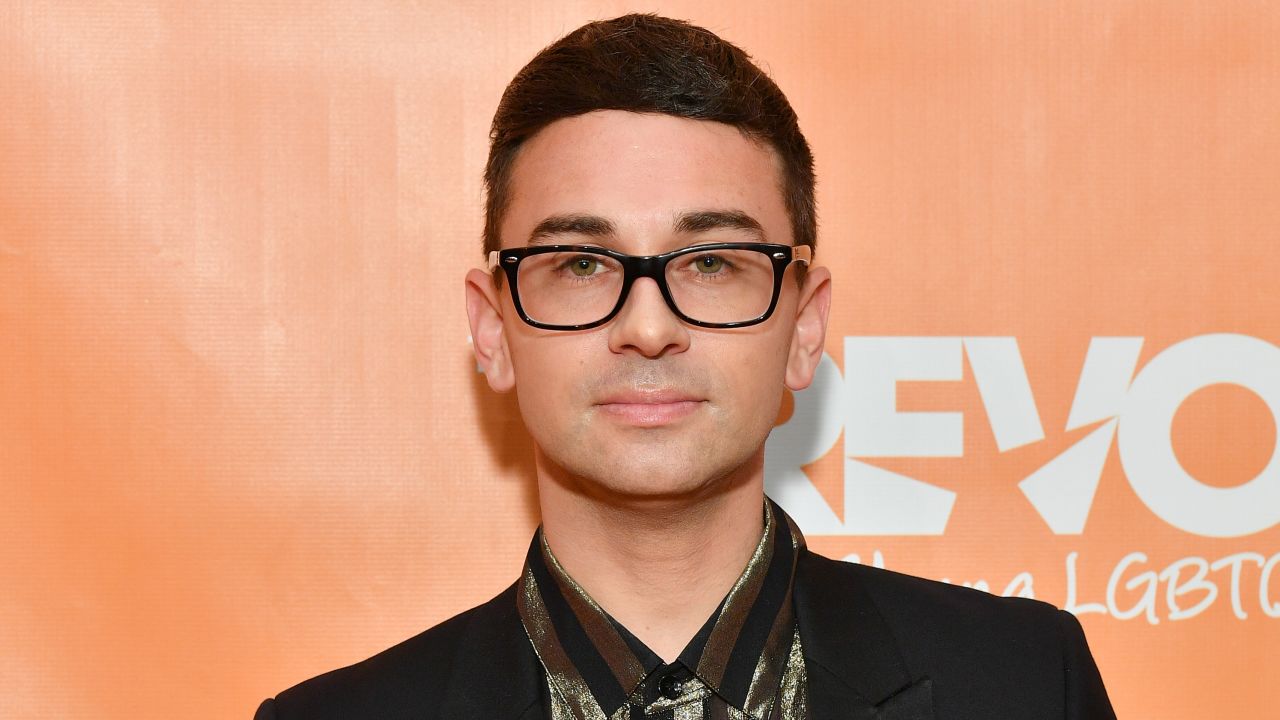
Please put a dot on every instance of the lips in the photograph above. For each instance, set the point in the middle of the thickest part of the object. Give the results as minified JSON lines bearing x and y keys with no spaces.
{"x":649,"y":408}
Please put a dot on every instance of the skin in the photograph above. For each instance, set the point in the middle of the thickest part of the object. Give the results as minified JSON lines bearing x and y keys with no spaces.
{"x":649,"y":432}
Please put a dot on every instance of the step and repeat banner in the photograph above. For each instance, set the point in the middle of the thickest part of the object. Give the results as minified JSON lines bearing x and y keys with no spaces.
{"x":243,"y":439}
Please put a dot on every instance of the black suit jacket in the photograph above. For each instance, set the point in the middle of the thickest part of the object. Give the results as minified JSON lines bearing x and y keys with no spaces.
{"x":877,"y":644}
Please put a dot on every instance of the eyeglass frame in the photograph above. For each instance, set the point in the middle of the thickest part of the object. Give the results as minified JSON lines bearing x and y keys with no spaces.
{"x":654,"y":267}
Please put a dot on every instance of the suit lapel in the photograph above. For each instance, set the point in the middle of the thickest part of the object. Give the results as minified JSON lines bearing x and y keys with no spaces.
{"x":496,"y":675}
{"x":851,"y":659}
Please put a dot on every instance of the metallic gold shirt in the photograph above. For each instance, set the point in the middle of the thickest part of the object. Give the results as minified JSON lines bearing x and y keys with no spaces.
{"x":745,"y":663}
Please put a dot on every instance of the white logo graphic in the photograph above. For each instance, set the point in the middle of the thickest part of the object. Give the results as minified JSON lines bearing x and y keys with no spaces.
{"x":1135,"y":412}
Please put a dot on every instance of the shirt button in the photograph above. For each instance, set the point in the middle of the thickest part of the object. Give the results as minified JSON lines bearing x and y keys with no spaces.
{"x":669,"y":686}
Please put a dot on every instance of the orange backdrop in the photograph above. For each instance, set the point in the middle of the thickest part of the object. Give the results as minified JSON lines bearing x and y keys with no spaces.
{"x":242,"y":439}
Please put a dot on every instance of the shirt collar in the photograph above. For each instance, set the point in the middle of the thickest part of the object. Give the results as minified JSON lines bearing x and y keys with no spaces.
{"x":596,"y":664}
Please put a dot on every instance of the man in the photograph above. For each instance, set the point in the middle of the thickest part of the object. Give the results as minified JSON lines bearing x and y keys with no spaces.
{"x":650,"y":227}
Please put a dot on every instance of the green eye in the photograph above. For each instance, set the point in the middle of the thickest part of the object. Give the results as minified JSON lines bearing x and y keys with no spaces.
{"x":584,"y":266}
{"x":708,"y":264}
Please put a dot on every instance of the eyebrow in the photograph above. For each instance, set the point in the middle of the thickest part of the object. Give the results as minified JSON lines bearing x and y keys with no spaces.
{"x":704,"y":220}
{"x":555,"y":225}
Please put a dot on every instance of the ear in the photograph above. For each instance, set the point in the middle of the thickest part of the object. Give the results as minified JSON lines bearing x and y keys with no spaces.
{"x":488,"y":339}
{"x":810,"y":334}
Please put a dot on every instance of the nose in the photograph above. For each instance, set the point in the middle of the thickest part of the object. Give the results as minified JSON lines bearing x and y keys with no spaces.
{"x":646,"y":325}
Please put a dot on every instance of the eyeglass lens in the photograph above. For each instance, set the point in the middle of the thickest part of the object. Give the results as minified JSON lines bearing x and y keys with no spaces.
{"x":576,"y":288}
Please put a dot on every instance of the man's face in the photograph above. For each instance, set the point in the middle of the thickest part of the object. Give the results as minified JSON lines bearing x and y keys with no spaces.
{"x":645,"y":405}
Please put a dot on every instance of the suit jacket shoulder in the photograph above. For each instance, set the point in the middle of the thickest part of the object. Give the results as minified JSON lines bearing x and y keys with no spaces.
{"x":474,"y":663}
{"x":897,"y":638}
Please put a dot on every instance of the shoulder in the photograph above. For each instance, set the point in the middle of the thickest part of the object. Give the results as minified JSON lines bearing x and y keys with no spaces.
{"x":979,"y":650}
{"x":399,"y":681}
{"x":906,"y":601}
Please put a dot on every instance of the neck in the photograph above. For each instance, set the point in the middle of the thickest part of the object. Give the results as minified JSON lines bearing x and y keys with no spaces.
{"x":658,"y":566}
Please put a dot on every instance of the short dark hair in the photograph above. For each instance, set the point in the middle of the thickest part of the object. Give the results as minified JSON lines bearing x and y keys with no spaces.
{"x":648,"y":64}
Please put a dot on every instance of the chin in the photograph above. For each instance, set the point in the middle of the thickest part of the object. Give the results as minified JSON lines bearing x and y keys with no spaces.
{"x":647,"y":487}
{"x":657,"y":476}
{"x":653,"y":464}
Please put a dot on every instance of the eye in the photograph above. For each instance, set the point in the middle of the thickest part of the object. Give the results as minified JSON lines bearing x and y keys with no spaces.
{"x":708,"y":264}
{"x":584,"y":266}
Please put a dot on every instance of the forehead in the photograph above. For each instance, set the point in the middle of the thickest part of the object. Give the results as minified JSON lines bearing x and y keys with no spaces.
{"x":641,"y":171}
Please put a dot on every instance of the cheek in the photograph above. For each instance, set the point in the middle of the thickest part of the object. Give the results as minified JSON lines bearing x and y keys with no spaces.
{"x":549,"y":376}
{"x":751,"y":375}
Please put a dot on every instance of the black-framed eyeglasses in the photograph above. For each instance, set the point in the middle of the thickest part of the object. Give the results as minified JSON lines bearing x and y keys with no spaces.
{"x":578,"y":287}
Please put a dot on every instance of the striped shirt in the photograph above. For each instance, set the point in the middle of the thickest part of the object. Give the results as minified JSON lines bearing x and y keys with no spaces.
{"x":745,"y":663}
